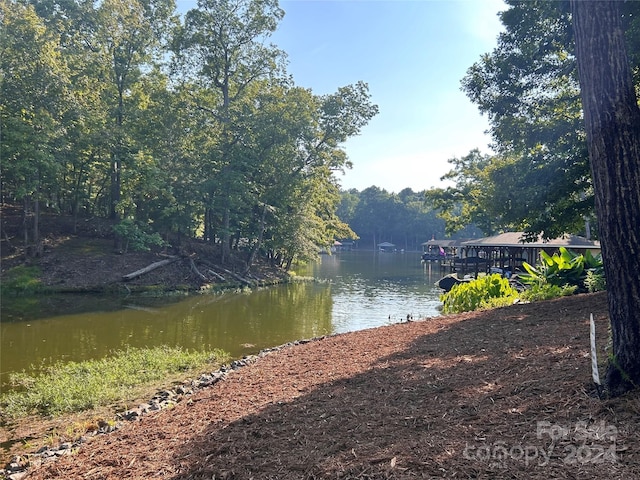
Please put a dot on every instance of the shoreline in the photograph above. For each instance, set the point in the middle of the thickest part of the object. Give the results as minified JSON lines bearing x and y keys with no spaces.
{"x":417,"y":399}
{"x":164,"y":398}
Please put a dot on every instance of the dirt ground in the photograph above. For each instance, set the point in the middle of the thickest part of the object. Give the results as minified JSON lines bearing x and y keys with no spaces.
{"x":79,"y":255}
{"x":505,"y":393}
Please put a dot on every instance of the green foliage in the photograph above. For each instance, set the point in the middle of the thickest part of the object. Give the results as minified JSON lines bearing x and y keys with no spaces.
{"x":528,"y":88}
{"x":96,"y":122}
{"x":404,"y":218}
{"x":563,"y":268}
{"x":21,"y":279}
{"x":546,"y":291}
{"x":481,"y":190}
{"x":135,"y":237}
{"x":485,"y":292}
{"x":73,"y":387}
{"x":595,"y":281}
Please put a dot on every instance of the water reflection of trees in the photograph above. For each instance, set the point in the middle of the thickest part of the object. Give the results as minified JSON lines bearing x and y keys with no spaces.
{"x":229,"y":321}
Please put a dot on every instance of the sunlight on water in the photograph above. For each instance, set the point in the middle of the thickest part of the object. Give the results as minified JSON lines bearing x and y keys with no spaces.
{"x":370,"y":290}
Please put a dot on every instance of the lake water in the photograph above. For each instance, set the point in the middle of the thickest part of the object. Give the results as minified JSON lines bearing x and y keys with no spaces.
{"x":362,"y":290}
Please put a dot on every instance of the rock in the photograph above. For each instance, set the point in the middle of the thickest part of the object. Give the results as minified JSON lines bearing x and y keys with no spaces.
{"x":183,"y":390}
{"x":17,"y":476}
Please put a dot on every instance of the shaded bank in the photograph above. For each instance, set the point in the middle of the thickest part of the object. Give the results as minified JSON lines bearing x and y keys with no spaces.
{"x":82,"y":260}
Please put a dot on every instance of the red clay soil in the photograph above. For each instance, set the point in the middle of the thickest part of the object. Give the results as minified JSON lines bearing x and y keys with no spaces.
{"x":497,"y":394}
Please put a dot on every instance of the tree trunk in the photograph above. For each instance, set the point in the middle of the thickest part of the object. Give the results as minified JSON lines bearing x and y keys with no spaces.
{"x":149,"y":268}
{"x":226,"y":236}
{"x":256,"y":247}
{"x":612,"y":120}
{"x":25,"y":223}
{"x":37,"y":242}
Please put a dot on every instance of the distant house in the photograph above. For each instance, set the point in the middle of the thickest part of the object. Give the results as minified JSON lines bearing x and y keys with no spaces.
{"x":386,"y":247}
{"x":344,"y":245}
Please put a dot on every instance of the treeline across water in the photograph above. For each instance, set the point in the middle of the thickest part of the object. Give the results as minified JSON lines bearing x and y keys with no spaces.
{"x":407,"y":219}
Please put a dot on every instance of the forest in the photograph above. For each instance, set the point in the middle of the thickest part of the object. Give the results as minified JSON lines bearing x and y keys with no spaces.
{"x":190,"y":126}
{"x":171,"y":126}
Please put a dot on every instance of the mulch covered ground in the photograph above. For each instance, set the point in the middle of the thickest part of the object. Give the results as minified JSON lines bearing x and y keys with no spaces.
{"x":497,"y":394}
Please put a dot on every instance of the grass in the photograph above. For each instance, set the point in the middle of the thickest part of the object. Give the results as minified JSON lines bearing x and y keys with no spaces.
{"x":78,"y":386}
{"x":22,"y":279}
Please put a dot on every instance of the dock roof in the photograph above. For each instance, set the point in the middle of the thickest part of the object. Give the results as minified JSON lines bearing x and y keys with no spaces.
{"x":517,"y":239}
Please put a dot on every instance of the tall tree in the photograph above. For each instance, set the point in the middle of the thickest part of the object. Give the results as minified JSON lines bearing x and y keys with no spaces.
{"x":529,"y":90}
{"x":33,"y":83}
{"x":478,"y":196}
{"x":129,"y":35}
{"x":612,"y":120}
{"x":297,"y":139}
{"x":222,"y":45}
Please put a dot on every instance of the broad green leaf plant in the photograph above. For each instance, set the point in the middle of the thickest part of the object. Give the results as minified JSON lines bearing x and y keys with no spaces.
{"x":562,"y":268}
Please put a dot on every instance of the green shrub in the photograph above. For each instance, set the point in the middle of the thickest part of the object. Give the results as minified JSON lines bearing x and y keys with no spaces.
{"x":77,"y":386}
{"x":485,"y":292}
{"x":563,"y":268}
{"x":595,"y":281}
{"x":136,"y":237}
{"x":497,"y":302}
{"x":546,"y":291}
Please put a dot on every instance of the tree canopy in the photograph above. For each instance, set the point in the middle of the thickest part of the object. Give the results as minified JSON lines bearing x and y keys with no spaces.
{"x":538,"y":180}
{"x":180,"y":126}
{"x":403,"y":218}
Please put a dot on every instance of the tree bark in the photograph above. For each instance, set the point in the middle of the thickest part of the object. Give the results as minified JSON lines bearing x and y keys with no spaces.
{"x":258,"y":244}
{"x":612,"y":121}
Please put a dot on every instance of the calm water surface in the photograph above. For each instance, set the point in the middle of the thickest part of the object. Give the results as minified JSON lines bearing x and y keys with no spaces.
{"x":364,"y":289}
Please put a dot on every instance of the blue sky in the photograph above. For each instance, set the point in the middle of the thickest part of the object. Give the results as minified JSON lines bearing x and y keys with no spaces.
{"x":412,"y":54}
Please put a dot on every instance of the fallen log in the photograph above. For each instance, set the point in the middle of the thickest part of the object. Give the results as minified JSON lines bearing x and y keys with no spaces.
{"x":197,"y":272}
{"x":239,"y":278}
{"x":211,"y":267}
{"x":149,"y":268}
{"x":217,"y":275}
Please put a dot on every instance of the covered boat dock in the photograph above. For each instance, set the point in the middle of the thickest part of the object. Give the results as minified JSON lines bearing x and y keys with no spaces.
{"x":503,"y":252}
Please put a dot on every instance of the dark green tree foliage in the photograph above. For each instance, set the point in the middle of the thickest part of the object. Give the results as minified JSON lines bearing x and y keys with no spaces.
{"x":529,"y":90}
{"x":539,"y":180}
{"x":222,"y":48}
{"x":209,"y":138}
{"x":474,"y":198}
{"x":404,"y":219}
{"x":34,"y":81}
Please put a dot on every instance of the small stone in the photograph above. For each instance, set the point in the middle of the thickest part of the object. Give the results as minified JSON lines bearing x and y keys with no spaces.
{"x":184,"y":390}
{"x":18,"y":476}
{"x":132,"y":414}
